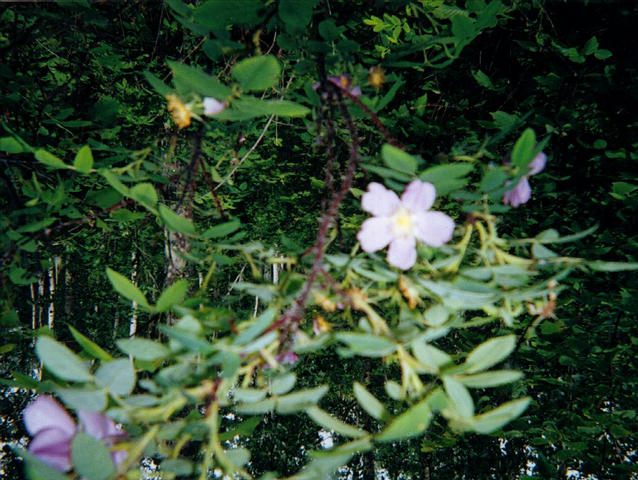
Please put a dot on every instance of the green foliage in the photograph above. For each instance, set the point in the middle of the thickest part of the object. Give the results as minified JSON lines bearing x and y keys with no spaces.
{"x":218,"y":203}
{"x":91,"y":458}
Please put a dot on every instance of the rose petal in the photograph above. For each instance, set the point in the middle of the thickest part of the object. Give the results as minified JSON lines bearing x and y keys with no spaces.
{"x":99,"y":425}
{"x":287,"y":358}
{"x":45,"y":412}
{"x":538,"y":164}
{"x":213,"y":106}
{"x":520,"y":194}
{"x":53,"y":447}
{"x":434,"y":228}
{"x":402,"y":252}
{"x":375,"y":234}
{"x":119,"y":456}
{"x":418,"y":196}
{"x":380,"y":201}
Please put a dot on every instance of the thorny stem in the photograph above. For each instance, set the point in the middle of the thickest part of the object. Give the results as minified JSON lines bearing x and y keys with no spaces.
{"x":213,"y":192}
{"x":291,"y":318}
{"x":374,"y":117}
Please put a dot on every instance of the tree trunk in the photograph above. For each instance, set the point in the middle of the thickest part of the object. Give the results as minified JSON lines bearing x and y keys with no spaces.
{"x":132,"y":329}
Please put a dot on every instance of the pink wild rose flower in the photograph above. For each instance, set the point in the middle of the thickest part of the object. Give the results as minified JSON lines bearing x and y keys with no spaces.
{"x":53,"y":429}
{"x":213,"y":106}
{"x":522,"y":192}
{"x":400,"y":222}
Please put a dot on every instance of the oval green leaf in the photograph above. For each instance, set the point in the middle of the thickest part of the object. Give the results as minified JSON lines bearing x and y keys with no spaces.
{"x":61,"y":361}
{"x":257,"y":73}
{"x":117,"y":376}
{"x":91,"y":458}
{"x":126,"y":288}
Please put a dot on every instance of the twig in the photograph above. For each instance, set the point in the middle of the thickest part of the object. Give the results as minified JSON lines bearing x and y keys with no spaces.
{"x":250,"y":150}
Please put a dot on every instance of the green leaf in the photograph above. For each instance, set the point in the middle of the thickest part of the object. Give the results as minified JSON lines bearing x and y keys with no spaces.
{"x":89,"y":346}
{"x":143,"y":349}
{"x":410,"y":423}
{"x":436,"y":315}
{"x":494,"y":378}
{"x":195,"y":80}
{"x":495,"y":419}
{"x":600,"y":266}
{"x":175,"y":222}
{"x":177,"y":466}
{"x":126,"y":288}
{"x":283,"y":383}
{"x":327,"y":421}
{"x":173,"y":295}
{"x":440,"y":173}
{"x":256,"y":408}
{"x":459,"y":396}
{"x":493,"y":178}
{"x":430,"y":356}
{"x":328,"y":30}
{"x":490,"y":353}
{"x":10,"y":145}
{"x":36,"y":226}
{"x":159,"y":86}
{"x":539,"y":251}
{"x":296,"y":14}
{"x":115,"y":182}
{"x":523,"y":152}
{"x":49,"y":159}
{"x":369,"y":402}
{"x":483,"y":80}
{"x":300,"y":400}
{"x":61,"y":361}
{"x":238,"y":456}
{"x":249,"y":395}
{"x":393,"y":389}
{"x":387,"y":172}
{"x":187,"y":338}
{"x":257,"y":73}
{"x":222,"y":229}
{"x":397,"y":159}
{"x":144,"y":193}
{"x":244,"y":429}
{"x":283,"y":108}
{"x":83,"y":398}
{"x":219,"y":14}
{"x":117,"y":376}
{"x":567,"y":238}
{"x":84,"y":160}
{"x":91,"y":458}
{"x":603,"y":54}
{"x":257,"y":327}
{"x":366,"y":344}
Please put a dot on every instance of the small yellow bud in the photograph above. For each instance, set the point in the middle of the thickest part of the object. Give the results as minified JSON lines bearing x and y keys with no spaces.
{"x":180,"y":113}
{"x":324,"y":302}
{"x":376,"y":77}
{"x":409,"y":292}
{"x":320,"y":325}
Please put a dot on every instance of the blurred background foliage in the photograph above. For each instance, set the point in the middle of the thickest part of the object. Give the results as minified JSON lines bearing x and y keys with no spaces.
{"x":71,"y":74}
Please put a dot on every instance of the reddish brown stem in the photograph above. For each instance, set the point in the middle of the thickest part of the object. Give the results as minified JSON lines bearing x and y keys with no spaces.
{"x":209,"y":183}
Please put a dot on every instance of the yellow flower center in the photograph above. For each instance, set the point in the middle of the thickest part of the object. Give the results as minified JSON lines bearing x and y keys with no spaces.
{"x":402,"y":223}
